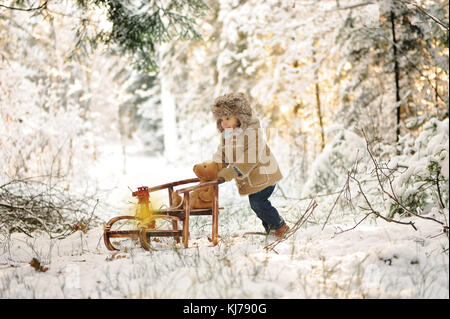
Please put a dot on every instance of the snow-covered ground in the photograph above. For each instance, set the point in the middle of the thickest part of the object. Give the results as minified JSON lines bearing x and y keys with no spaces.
{"x":375,"y":260}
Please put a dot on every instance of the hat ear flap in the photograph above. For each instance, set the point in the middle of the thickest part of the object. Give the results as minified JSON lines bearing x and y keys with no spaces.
{"x":219,"y":125}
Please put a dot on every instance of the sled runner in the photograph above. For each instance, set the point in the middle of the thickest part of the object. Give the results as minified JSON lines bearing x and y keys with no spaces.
{"x":182,"y":213}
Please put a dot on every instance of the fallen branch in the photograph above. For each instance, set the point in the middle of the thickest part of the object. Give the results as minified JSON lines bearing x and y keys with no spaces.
{"x":312,"y":205}
{"x":373,"y":211}
{"x":31,"y":204}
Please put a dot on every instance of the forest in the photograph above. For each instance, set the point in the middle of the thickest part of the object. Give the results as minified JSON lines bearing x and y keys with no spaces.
{"x":99,"y":97}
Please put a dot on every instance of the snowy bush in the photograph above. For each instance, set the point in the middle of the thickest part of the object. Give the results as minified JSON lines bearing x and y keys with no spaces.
{"x":423,"y":186}
{"x":330,"y":169}
{"x":414,"y":183}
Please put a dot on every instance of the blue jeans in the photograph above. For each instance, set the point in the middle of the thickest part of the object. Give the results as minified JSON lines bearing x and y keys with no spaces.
{"x":261,"y":205}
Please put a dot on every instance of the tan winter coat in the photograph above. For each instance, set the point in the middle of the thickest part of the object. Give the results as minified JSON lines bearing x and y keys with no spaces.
{"x":246,"y":158}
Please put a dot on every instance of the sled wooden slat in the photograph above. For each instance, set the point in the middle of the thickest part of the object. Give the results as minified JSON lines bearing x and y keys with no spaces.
{"x":194,"y":212}
{"x":173,"y":184}
{"x":163,"y":233}
{"x":123,"y":233}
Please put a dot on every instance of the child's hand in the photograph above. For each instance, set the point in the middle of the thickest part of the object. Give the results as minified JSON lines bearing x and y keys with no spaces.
{"x":227,"y":174}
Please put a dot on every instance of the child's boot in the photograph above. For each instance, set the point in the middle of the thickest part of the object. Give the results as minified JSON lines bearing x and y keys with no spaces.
{"x":281,"y":232}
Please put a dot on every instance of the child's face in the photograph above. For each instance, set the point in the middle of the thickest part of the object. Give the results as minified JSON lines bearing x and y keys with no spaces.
{"x":229,"y":122}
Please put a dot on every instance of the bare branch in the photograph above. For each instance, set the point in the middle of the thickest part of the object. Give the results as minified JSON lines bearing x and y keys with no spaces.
{"x":441,"y":202}
{"x":442,"y":24}
{"x":362,"y":4}
{"x":312,"y":205}
{"x":373,"y":211}
{"x":27,"y":205}
{"x":337,"y":198}
{"x":42,"y":6}
{"x":391,"y":194}
{"x":307,"y":197}
{"x":382,"y":178}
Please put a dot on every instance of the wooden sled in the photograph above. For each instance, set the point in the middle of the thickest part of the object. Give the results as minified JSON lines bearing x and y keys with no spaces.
{"x":173,"y":214}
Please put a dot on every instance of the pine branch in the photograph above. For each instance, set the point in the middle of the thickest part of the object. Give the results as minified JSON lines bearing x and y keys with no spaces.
{"x":404,"y":55}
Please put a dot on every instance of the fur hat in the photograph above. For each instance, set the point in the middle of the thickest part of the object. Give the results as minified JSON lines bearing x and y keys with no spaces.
{"x":232,"y":104}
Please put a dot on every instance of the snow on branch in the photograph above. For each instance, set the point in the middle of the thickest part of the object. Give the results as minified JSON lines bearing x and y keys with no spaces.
{"x":383,"y":178}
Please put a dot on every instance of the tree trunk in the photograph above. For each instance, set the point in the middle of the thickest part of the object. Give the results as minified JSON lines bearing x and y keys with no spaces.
{"x":397,"y":75}
{"x":318,"y":104}
{"x":169,"y":112}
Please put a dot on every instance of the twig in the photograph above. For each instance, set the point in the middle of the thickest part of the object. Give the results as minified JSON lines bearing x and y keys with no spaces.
{"x":362,"y":4}
{"x":42,"y":6}
{"x":428,"y":15}
{"x":281,"y":190}
{"x":92,"y":213}
{"x":345,"y":187}
{"x":337,"y":198}
{"x":439,"y":191}
{"x":356,"y":225}
{"x":312,"y":205}
{"x":30,"y":204}
{"x":308,"y":197}
{"x":373,"y":211}
{"x":392,"y":195}
{"x":378,"y":171}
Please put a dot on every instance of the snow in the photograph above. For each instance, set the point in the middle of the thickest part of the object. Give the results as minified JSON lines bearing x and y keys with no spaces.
{"x":375,"y":260}
{"x":276,"y":52}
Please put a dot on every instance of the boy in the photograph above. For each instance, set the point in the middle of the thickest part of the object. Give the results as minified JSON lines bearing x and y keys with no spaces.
{"x":246,"y":158}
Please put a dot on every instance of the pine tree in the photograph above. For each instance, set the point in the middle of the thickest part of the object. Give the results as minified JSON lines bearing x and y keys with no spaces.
{"x":264,"y":49}
{"x":137,"y":28}
{"x":388,"y":70}
{"x":54,"y":112}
